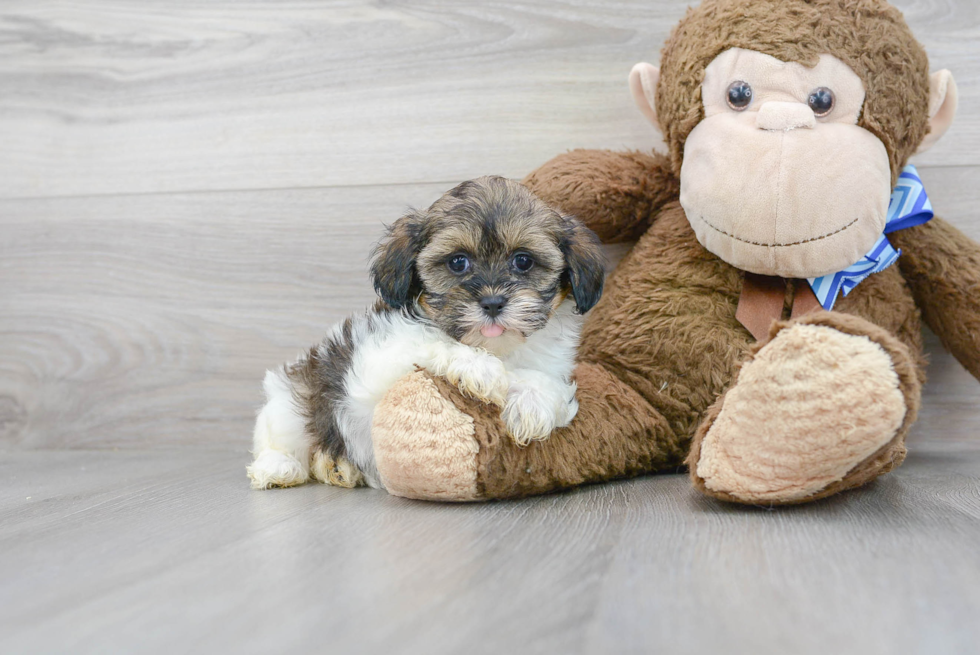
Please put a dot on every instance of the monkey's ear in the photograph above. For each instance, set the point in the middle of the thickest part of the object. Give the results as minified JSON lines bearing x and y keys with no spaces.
{"x":643,"y":85}
{"x":943,"y":99}
{"x":585,"y":262}
{"x":393,"y":263}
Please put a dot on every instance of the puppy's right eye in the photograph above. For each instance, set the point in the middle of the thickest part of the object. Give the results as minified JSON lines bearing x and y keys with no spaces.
{"x":458,"y":264}
{"x":522,"y":262}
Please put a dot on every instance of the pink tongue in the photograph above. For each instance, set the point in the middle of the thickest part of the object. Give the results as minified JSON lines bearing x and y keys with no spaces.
{"x":491,"y":331}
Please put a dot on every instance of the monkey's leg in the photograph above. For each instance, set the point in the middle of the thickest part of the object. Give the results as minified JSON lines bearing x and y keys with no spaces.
{"x":822,"y":407}
{"x":433,"y":443}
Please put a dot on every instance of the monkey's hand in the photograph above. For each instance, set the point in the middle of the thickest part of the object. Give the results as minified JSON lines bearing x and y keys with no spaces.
{"x":616,"y":194}
{"x":537,"y":404}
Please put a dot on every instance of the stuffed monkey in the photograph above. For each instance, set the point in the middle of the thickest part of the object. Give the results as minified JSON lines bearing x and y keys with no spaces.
{"x":765,"y":330}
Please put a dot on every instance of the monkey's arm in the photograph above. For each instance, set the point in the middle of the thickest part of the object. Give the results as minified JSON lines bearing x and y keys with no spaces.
{"x":616,"y":194}
{"x":942,"y":266}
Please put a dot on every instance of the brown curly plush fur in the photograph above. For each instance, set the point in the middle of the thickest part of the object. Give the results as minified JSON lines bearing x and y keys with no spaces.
{"x":620,"y":192}
{"x":663,"y":346}
{"x":941,"y":267}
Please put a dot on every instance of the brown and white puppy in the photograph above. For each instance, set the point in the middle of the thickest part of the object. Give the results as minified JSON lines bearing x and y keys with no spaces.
{"x":485,"y":288}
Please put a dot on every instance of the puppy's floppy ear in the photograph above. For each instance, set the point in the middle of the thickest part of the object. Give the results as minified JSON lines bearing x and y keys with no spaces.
{"x":585,"y":261}
{"x":393,"y":263}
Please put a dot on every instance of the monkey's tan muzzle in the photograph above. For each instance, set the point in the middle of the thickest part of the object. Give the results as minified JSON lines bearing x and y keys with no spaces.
{"x":775,"y":192}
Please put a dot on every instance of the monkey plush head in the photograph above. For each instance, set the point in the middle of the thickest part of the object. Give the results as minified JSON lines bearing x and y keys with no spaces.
{"x":788,"y":123}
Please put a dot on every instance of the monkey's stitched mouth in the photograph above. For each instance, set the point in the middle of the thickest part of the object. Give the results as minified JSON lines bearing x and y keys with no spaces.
{"x":776,"y":245}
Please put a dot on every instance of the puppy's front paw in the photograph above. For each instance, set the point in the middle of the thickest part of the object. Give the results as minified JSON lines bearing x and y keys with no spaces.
{"x":532,"y":414}
{"x":480,"y":375}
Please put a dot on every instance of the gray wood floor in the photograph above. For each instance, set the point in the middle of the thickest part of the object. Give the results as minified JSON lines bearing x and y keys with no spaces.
{"x":170,"y":552}
{"x":188,"y":192}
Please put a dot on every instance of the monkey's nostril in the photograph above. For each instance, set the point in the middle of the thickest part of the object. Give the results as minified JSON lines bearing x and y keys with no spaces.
{"x":492,"y":304}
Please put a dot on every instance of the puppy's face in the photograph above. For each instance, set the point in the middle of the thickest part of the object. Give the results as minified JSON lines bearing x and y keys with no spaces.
{"x":489,"y":263}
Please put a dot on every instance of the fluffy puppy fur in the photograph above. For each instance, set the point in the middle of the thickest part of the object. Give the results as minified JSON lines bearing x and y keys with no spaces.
{"x":485,"y":288}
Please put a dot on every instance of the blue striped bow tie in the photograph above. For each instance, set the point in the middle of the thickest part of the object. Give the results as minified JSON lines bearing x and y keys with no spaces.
{"x":909,"y":206}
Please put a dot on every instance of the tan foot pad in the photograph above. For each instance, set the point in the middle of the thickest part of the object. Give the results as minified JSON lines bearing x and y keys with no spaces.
{"x":813,"y":404}
{"x":424,"y":446}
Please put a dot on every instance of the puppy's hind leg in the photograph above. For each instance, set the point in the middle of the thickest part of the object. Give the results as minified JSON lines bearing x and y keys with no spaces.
{"x":337,"y":471}
{"x":280,"y":443}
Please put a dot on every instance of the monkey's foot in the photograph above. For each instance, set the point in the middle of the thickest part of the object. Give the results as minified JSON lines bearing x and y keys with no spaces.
{"x":822,"y":407}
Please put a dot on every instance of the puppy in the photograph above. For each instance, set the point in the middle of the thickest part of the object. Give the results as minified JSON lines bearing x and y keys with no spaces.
{"x":485,"y":288}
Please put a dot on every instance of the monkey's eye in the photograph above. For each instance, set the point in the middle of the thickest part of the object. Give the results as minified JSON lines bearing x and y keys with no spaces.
{"x":522,"y":262}
{"x":739,"y":95}
{"x":458,"y":264}
{"x":821,"y":101}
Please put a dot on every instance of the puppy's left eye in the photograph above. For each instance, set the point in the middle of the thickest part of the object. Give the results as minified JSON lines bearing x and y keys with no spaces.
{"x":458,"y":264}
{"x":522,"y":262}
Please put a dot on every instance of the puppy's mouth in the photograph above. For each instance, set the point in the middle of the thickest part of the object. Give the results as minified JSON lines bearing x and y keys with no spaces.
{"x":493,"y":335}
{"x":522,"y":316}
{"x":492,"y":331}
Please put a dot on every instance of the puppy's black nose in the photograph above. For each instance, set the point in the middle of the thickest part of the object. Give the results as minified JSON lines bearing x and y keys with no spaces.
{"x":492,"y":304}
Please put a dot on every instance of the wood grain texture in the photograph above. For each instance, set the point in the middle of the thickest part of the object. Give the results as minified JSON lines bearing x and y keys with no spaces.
{"x":151,"y":319}
{"x":171,"y":552}
{"x":106,"y":97}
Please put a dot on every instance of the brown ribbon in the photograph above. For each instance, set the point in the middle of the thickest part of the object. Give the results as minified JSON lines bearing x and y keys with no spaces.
{"x":763,"y":300}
